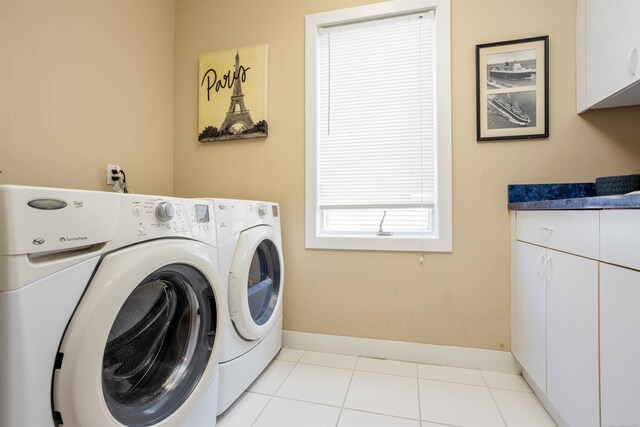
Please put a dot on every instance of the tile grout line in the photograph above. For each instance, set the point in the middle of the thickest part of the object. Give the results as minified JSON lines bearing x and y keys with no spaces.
{"x":459,"y":383}
{"x":364,"y":411}
{"x":344,"y":400}
{"x":498,"y":407}
{"x":419,"y":401}
{"x":285,"y":379}
{"x":274,"y":393}
{"x":392,"y":375}
{"x":261,"y":411}
{"x":339,"y":416}
{"x":354,"y":410}
{"x":510,"y":389}
{"x":292,"y":399}
{"x":486,"y":383}
{"x":325,"y":366}
{"x":504,"y":388}
{"x":355,"y":369}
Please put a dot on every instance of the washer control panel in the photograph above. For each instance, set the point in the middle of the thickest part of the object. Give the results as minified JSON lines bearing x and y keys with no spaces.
{"x":50,"y":220}
{"x":201,"y":214}
{"x":158,"y":216}
{"x":165,"y":211}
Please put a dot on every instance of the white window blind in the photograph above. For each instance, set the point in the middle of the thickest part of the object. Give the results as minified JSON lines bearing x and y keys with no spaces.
{"x":376,"y":124}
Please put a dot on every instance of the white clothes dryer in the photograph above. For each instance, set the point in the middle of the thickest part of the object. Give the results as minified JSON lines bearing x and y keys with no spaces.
{"x":252,"y":266}
{"x":108,"y":309}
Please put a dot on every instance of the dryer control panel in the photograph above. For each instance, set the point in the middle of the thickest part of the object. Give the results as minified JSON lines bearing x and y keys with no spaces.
{"x":233,"y":216}
{"x":230,"y":215}
{"x":262,"y":213}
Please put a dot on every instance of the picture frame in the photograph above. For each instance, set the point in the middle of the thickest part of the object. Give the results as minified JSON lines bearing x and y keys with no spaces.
{"x":512,"y":89}
{"x":232,"y":98}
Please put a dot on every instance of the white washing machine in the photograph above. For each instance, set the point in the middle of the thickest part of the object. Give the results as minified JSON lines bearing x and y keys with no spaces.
{"x":109,"y":307}
{"x":251,"y":264}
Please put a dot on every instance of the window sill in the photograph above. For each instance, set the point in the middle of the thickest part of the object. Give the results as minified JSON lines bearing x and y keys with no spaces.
{"x":379,"y":243}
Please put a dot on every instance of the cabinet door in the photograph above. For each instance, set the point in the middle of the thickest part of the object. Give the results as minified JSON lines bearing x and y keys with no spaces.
{"x":572,"y":338}
{"x":531,"y":312}
{"x":620,"y":345}
{"x":612,"y":33}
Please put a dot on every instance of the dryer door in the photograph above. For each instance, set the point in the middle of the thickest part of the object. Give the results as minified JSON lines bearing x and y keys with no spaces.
{"x":256,"y":282}
{"x":137,"y":350}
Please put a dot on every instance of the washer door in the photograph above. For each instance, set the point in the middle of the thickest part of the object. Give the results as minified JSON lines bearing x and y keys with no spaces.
{"x":256,"y":281}
{"x":137,"y":350}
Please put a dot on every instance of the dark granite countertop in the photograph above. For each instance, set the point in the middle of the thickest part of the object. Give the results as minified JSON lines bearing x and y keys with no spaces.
{"x":566,"y":196}
{"x":624,"y":201}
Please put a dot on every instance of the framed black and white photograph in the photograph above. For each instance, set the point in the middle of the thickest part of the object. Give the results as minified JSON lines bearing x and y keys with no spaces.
{"x":512,"y":89}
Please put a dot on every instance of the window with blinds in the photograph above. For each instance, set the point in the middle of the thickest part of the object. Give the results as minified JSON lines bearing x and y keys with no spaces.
{"x":378,"y":127}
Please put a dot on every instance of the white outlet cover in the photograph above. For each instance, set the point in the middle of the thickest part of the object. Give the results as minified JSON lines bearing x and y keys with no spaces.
{"x":110,"y":180}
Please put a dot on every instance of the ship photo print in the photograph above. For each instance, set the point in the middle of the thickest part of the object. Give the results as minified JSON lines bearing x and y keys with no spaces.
{"x":512,"y":89}
{"x":511,"y":71}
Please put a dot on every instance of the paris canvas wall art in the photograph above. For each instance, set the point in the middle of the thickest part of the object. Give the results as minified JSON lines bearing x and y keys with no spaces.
{"x":232,"y":96}
{"x":512,"y":89}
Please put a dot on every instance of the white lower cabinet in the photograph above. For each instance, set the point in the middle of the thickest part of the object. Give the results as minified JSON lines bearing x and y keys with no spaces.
{"x":556,"y":311}
{"x":577,"y":313}
{"x":620,"y":346}
{"x":531,"y":312}
{"x":572,"y":338}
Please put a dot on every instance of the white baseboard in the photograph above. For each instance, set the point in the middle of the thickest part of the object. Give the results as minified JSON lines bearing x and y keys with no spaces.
{"x":557,"y":418}
{"x":501,"y":361}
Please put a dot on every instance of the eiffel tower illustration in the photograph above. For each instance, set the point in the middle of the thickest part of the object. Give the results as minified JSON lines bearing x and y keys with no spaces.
{"x":241,"y":116}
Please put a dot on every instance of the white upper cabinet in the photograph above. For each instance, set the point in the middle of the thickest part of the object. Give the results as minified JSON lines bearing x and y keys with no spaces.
{"x":608,"y":49}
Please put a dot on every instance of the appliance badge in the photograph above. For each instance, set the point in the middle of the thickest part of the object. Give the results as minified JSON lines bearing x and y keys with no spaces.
{"x":38,"y":241}
{"x":47,"y":204}
{"x":77,"y":204}
{"x":72,"y":239}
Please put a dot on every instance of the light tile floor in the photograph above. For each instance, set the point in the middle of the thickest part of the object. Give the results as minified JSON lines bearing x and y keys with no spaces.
{"x":308,"y":388}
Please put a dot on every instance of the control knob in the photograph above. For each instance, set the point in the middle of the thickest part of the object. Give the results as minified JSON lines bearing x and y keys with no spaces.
{"x":262,"y":210}
{"x":164,"y":211}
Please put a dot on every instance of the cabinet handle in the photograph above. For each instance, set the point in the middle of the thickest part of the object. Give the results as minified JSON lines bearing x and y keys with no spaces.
{"x":632,"y":61}
{"x":538,"y":265}
{"x":548,"y":263}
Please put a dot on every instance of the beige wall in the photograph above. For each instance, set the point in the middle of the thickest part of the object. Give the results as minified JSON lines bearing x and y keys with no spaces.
{"x":455,"y":299}
{"x":83,"y":84}
{"x":86,"y":83}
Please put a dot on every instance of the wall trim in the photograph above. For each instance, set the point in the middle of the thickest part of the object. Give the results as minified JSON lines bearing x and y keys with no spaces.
{"x":555,"y":415}
{"x":461,"y":357}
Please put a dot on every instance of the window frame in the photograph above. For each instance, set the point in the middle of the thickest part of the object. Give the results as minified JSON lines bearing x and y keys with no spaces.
{"x":440,"y":241}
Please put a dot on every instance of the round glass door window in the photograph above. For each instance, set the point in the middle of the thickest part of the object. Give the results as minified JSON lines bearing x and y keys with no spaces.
{"x":263,"y":284}
{"x":159,"y":345}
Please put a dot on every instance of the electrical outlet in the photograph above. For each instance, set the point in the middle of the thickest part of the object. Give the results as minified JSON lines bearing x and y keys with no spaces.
{"x":112,"y":178}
